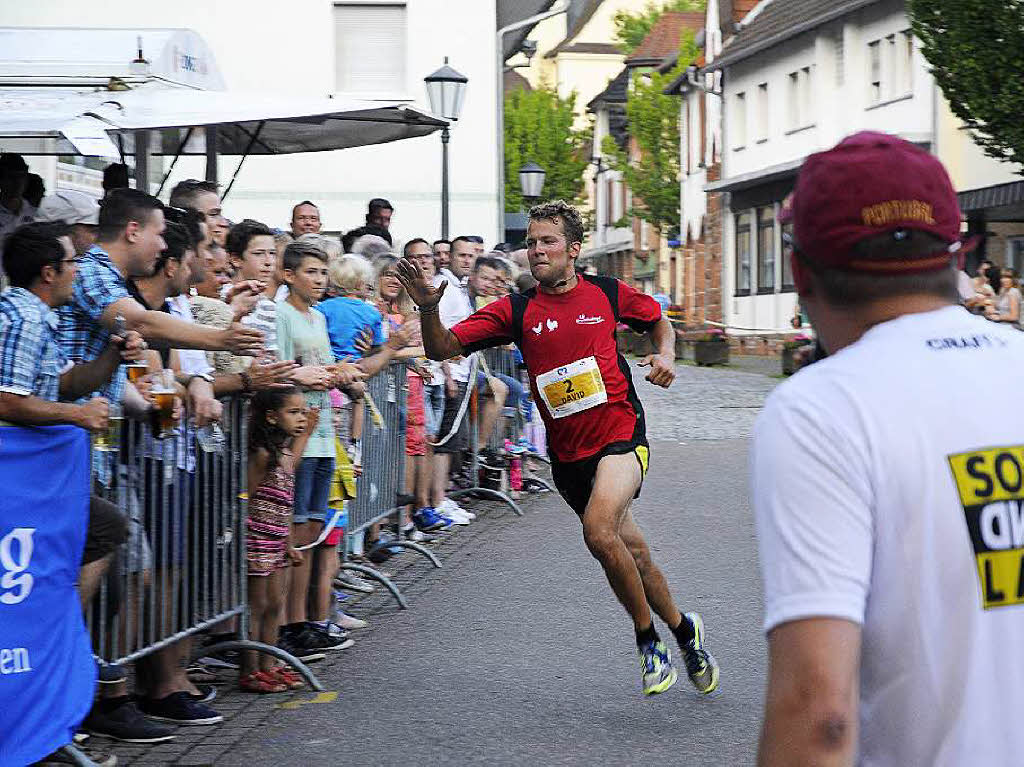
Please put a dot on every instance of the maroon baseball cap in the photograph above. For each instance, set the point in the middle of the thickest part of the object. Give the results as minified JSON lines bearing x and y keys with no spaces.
{"x":870,"y":184}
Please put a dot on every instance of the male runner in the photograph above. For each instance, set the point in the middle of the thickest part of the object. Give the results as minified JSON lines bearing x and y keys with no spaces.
{"x":565,"y":329}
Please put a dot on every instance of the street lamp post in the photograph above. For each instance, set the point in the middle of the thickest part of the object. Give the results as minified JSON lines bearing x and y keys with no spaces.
{"x":531,"y":182}
{"x":445,"y":91}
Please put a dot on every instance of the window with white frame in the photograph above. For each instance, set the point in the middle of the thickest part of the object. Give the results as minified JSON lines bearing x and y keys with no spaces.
{"x":906,"y":54}
{"x":370,"y":48}
{"x":875,"y":72}
{"x":1015,"y":254}
{"x":766,"y":249}
{"x":787,"y":260}
{"x":739,"y":121}
{"x":798,"y":99}
{"x":743,"y":254}
{"x":890,"y":67}
{"x":763,"y":115}
{"x":793,"y":100}
{"x":840,"y":57}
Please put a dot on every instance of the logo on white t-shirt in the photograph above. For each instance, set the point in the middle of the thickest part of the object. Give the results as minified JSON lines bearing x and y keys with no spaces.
{"x":990,"y":483}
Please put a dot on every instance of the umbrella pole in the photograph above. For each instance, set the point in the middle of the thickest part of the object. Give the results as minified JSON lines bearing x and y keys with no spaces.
{"x":177,"y":156}
{"x":248,"y":148}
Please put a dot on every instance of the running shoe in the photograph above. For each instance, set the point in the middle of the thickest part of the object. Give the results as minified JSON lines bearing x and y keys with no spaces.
{"x":427,"y":519}
{"x":656,"y":667}
{"x":701,"y":665}
{"x":411,"y":533}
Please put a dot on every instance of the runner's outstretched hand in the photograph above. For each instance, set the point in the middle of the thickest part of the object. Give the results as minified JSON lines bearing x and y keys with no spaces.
{"x":663,"y":371}
{"x":420,"y":291}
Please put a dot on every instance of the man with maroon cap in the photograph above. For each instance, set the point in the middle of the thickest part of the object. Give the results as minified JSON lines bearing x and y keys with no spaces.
{"x":890,"y":517}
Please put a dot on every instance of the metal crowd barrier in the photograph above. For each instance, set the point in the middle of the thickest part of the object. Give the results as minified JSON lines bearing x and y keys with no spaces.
{"x":502,"y":361}
{"x":383,"y":475}
{"x":183,"y":567}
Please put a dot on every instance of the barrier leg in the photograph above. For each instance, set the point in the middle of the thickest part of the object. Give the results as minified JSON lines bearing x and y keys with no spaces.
{"x":488,"y":493}
{"x":276,"y":652}
{"x":418,"y":548}
{"x":79,"y":758}
{"x":382,"y":579}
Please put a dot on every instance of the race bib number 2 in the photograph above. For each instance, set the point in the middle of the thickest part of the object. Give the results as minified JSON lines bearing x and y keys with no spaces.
{"x":572,"y":388}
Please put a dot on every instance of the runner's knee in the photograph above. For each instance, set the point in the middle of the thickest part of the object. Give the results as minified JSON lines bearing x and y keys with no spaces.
{"x":602,"y":540}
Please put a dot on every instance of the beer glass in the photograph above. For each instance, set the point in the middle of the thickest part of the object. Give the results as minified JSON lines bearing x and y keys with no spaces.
{"x":135,"y":370}
{"x":109,"y":440}
{"x":163,"y":393}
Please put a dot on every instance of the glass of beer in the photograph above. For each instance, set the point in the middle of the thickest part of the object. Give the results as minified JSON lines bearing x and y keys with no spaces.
{"x":135,"y":370}
{"x":163,"y":393}
{"x":109,"y":440}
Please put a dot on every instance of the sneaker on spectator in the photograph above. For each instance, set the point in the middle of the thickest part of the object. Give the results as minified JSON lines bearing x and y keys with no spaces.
{"x":448,"y":506}
{"x":346,"y":622}
{"x":427,"y":519}
{"x":315,"y":637}
{"x":60,"y":757}
{"x":351,"y":582}
{"x":120,"y":719}
{"x":287,"y":642}
{"x":454,"y":512}
{"x":207,"y":692}
{"x":179,"y":708}
{"x":411,"y":533}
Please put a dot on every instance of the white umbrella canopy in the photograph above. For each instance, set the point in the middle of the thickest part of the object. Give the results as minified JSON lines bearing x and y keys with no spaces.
{"x":50,"y":121}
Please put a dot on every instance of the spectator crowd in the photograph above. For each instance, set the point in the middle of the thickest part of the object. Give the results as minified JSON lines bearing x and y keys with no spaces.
{"x":162,"y":319}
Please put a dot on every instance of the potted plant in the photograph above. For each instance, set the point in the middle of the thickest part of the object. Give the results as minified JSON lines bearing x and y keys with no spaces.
{"x":790,"y":363}
{"x":711,"y":348}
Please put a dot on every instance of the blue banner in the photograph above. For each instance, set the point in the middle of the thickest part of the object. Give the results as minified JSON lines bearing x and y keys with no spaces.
{"x":47,"y":675}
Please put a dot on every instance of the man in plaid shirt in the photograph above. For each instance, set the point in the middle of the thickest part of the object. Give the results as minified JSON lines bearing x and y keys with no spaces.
{"x":129,"y":241}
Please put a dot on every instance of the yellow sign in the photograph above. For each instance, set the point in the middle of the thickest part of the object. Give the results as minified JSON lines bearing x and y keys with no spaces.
{"x":990,"y":483}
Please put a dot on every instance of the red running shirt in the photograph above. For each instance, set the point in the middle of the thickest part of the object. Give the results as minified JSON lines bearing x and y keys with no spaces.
{"x":566,"y":340}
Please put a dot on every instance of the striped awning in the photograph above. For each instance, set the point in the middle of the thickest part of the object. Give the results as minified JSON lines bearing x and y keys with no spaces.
{"x":998,"y":196}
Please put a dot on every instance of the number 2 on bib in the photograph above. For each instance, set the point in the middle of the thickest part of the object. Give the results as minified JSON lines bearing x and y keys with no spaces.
{"x":572,"y":388}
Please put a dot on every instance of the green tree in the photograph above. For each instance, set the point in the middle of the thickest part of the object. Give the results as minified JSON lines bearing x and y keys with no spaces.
{"x":631,"y":28}
{"x":653,"y":123}
{"x":538,"y":128}
{"x":976,"y":49}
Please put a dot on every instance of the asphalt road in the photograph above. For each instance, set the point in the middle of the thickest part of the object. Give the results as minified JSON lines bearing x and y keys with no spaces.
{"x":516,"y":653}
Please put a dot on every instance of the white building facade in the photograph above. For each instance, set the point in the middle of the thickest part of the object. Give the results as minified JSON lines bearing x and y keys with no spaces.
{"x":838,"y":68}
{"x":356,"y":48}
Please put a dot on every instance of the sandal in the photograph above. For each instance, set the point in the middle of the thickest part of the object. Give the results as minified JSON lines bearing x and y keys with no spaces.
{"x":261,"y":682}
{"x":287,"y":676}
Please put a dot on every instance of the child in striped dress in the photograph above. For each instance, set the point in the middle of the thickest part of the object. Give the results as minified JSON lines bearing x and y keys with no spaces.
{"x":280,"y":425}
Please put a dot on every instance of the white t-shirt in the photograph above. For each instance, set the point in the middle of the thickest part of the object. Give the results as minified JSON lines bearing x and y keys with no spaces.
{"x":454,"y":307}
{"x":886,"y":496}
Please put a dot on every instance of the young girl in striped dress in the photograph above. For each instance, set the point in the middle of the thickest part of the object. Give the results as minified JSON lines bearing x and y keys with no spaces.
{"x":280,"y":425}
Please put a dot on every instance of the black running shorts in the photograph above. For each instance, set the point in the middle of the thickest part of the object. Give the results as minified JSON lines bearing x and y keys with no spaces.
{"x":575,"y":480}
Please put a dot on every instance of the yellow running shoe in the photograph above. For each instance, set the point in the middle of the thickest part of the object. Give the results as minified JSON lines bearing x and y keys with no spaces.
{"x":656,"y":666}
{"x":701,"y":665}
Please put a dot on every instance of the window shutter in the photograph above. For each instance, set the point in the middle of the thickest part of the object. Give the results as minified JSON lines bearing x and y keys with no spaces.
{"x":370,"y":48}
